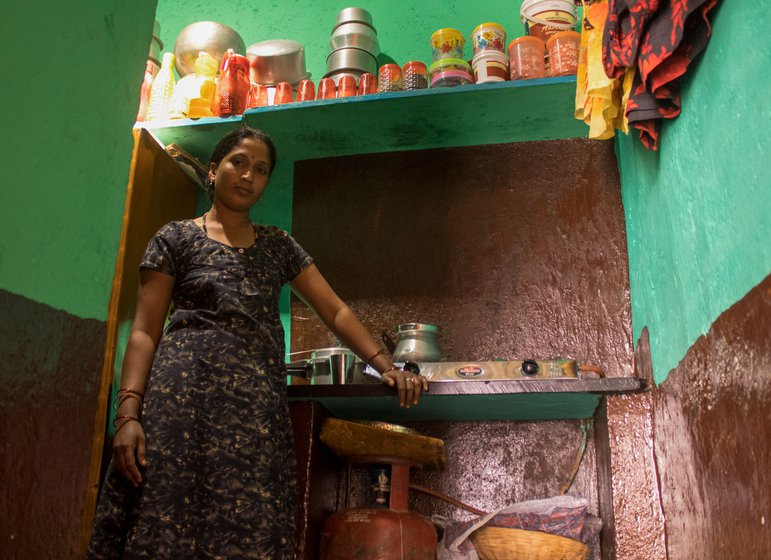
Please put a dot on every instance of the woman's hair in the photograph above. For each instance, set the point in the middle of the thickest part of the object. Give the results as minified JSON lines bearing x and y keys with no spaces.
{"x":231,"y":140}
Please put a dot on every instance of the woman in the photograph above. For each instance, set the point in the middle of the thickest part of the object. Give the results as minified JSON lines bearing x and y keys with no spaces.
{"x":203,"y":462}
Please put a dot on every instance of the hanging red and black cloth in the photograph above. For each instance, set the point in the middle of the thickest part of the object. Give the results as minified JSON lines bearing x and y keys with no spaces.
{"x":660,"y":38}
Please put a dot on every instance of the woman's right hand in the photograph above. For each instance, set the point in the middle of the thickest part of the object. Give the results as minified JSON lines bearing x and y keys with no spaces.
{"x":128,"y":450}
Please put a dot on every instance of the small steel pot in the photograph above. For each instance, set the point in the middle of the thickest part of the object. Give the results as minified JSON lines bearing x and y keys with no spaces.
{"x":210,"y":36}
{"x":351,"y":59}
{"x":276,"y":60}
{"x":354,"y":14}
{"x":355,"y":35}
{"x":417,"y":342}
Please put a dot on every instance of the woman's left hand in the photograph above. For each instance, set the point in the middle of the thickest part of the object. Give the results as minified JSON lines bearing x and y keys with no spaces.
{"x":408,"y":384}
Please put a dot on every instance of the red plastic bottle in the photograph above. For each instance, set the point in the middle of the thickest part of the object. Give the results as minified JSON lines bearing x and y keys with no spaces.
{"x":233,"y":85}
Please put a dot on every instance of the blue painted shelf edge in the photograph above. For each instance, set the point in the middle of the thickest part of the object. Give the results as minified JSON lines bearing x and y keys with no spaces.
{"x":502,"y":112}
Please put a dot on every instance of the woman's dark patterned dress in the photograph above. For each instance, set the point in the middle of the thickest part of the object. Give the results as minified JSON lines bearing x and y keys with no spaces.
{"x":221,"y":479}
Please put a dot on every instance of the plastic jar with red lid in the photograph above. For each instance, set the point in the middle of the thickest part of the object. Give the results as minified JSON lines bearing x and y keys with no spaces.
{"x":414,"y":75}
{"x":389,"y":78}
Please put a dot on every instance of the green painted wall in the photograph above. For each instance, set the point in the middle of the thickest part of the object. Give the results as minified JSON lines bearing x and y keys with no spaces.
{"x":403,"y":28}
{"x":699,"y":212}
{"x":72,"y":72}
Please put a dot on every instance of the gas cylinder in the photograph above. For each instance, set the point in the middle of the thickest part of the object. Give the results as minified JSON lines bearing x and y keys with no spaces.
{"x":365,"y":533}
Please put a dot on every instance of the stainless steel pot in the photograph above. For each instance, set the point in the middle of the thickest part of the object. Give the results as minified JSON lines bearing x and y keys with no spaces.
{"x":351,"y":59}
{"x":335,"y":366}
{"x":210,"y":36}
{"x":355,"y":35}
{"x":354,"y":14}
{"x":276,"y":60}
{"x":417,"y":342}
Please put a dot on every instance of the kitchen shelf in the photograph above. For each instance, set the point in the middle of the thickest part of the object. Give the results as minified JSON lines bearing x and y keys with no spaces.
{"x":514,"y":111}
{"x":520,"y":399}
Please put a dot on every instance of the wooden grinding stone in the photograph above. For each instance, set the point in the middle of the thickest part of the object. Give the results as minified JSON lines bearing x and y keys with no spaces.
{"x":358,"y":442}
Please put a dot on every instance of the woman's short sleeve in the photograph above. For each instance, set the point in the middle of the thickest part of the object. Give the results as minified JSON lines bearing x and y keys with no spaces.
{"x":162,"y":252}
{"x":298,"y":260}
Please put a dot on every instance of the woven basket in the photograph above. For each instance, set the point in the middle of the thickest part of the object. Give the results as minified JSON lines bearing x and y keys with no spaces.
{"x":502,"y":543}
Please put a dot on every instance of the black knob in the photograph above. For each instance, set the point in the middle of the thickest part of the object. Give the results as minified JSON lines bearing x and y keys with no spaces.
{"x":530,"y":367}
{"x":412,"y":367}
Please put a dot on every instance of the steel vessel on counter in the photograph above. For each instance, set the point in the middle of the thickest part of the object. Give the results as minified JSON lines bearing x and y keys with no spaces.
{"x":328,"y":366}
{"x":417,"y":342}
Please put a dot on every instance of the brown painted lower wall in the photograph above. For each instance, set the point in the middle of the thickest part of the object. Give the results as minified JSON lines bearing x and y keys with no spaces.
{"x":691,"y":459}
{"x":514,"y":250}
{"x":50,"y":363}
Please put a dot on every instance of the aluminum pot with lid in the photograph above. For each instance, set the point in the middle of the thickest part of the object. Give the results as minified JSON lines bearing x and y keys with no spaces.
{"x":417,"y":342}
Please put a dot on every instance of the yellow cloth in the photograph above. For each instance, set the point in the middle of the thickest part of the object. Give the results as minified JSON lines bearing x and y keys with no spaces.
{"x":600,"y":101}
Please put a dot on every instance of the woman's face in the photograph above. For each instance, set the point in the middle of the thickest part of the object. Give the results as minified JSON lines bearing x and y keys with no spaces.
{"x":242,"y":175}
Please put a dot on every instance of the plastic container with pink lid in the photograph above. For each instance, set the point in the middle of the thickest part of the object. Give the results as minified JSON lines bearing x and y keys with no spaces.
{"x":450,"y":72}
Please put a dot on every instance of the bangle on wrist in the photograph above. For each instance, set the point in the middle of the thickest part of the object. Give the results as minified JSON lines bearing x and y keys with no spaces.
{"x":124,"y":397}
{"x":125,"y":392}
{"x":127,"y":419}
{"x":392,"y":368}
{"x":375,"y":355}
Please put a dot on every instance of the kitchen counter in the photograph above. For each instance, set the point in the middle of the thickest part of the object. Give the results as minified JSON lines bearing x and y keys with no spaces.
{"x":520,"y":399}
